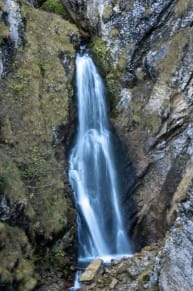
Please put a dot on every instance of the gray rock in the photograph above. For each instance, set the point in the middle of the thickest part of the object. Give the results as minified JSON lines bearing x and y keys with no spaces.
{"x":93,"y":269}
{"x":176,"y":272}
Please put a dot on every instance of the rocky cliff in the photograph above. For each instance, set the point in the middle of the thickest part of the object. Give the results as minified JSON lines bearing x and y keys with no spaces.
{"x":37,"y":216}
{"x":144,"y":50}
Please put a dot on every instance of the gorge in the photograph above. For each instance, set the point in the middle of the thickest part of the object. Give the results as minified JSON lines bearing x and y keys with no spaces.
{"x":144,"y":52}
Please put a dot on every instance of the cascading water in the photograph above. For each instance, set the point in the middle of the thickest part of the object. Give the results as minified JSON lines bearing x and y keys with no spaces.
{"x":1,"y":64}
{"x":15,"y":38}
{"x":15,"y":22}
{"x":92,"y":171}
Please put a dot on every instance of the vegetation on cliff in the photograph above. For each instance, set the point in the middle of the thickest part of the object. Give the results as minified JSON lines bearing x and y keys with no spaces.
{"x":35,"y":127}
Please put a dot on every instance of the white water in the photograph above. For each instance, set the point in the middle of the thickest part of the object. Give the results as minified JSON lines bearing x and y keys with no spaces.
{"x":77,"y":285}
{"x":92,"y":172}
{"x":15,"y":22}
{"x":1,"y":64}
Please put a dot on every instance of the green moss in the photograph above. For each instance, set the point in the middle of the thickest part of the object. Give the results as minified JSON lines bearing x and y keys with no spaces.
{"x":28,"y":284}
{"x":55,"y":6}
{"x":15,"y":254}
{"x":44,"y":66}
{"x":36,"y":96}
{"x":101,"y":54}
{"x":10,"y":181}
{"x":114,"y":86}
{"x":110,"y":71}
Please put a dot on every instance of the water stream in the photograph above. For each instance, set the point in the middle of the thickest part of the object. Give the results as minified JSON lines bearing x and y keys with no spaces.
{"x":92,"y":172}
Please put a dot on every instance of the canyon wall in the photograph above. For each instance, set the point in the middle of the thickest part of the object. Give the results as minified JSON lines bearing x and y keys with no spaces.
{"x":144,"y":50}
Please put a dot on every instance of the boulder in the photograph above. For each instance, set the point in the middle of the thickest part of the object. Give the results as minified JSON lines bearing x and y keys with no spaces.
{"x":91,"y":271}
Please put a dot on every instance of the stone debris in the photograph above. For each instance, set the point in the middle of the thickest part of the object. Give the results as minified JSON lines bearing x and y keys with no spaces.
{"x":113,"y":284}
{"x":91,"y":271}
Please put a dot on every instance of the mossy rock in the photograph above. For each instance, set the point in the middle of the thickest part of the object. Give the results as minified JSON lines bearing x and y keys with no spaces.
{"x":39,"y":93}
{"x":144,"y":281}
{"x":56,"y":7}
{"x":11,"y":184}
{"x":101,"y":54}
{"x":4,"y":31}
{"x":36,"y":96}
{"x":113,"y":85}
{"x":16,"y":267}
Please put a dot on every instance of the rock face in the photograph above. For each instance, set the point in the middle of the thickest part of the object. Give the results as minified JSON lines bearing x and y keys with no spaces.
{"x":147,"y":51}
{"x":36,"y":122}
{"x":164,"y":266}
{"x":144,"y":50}
{"x":176,"y":265}
{"x":84,"y":14}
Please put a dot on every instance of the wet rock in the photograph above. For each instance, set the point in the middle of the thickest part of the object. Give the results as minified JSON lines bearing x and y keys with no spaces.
{"x":91,"y":272}
{"x":134,"y":273}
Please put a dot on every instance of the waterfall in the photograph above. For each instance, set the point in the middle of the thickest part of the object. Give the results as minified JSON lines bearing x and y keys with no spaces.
{"x":15,"y":22}
{"x":14,"y":40}
{"x":1,"y":64}
{"x":92,"y":171}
